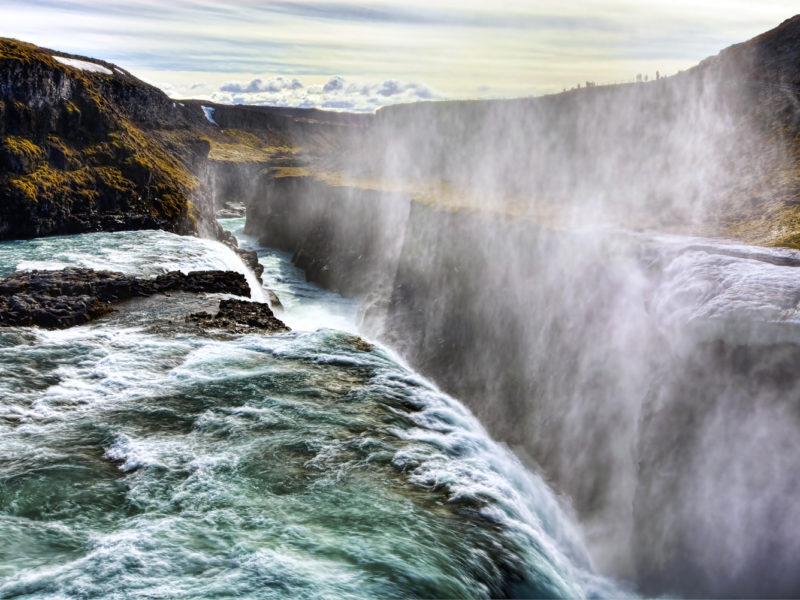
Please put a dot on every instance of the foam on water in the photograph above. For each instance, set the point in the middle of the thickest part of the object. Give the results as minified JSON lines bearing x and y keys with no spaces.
{"x":183,"y":454}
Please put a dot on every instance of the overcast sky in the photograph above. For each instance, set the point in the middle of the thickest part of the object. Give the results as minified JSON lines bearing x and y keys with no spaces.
{"x":359,"y":55}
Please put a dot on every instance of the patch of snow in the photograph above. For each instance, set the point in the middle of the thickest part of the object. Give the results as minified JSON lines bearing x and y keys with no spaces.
{"x":209,"y":112}
{"x":83,"y":65}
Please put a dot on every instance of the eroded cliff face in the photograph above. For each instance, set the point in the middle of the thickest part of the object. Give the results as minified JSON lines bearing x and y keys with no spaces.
{"x":84,"y":146}
{"x":345,"y":238}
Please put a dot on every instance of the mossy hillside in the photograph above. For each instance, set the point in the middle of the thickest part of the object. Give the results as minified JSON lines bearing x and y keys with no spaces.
{"x":74,"y":157}
{"x":19,"y":155}
{"x":123,"y":175}
{"x":273,"y":137}
{"x":238,"y":145}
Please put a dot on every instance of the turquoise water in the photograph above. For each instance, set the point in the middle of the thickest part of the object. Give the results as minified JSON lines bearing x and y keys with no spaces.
{"x":146,"y":463}
{"x":308,"y":306}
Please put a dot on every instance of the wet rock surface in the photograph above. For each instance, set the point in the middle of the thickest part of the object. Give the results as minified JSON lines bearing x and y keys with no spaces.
{"x":250,"y":258}
{"x":72,"y":296}
{"x":239,"y":316}
{"x":274,"y":302}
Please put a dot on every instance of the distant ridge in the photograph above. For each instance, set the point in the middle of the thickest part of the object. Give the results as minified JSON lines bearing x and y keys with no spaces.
{"x":94,"y":148}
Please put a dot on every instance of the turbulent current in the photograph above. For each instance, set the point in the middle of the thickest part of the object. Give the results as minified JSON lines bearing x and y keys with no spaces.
{"x":149,"y":462}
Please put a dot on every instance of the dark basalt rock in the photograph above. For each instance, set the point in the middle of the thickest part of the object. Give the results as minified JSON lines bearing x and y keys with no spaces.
{"x":72,"y":296}
{"x":250,"y":258}
{"x":274,"y":302}
{"x":239,"y":316}
{"x":51,"y":312}
{"x":226,"y":282}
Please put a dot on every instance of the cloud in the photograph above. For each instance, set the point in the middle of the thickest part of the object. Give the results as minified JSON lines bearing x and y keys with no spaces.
{"x":335,"y":84}
{"x":517,"y":47}
{"x":338,"y":93}
{"x":272,"y":85}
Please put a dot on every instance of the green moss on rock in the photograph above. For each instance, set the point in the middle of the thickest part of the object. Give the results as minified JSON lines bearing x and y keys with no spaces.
{"x":19,"y":155}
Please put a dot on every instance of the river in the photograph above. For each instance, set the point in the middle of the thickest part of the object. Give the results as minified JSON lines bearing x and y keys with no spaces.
{"x":139,"y":460}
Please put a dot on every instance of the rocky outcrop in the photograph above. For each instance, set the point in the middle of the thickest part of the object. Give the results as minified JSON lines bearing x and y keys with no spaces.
{"x":73,"y":296}
{"x":250,"y":259}
{"x":239,"y":316}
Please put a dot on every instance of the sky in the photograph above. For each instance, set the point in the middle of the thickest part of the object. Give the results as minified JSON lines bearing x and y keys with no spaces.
{"x":346,"y":55}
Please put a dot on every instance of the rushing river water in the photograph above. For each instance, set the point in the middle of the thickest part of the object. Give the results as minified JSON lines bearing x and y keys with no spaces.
{"x":145,"y":462}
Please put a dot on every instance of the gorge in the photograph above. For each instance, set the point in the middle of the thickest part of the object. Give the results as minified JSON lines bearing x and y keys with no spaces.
{"x":605,"y":277}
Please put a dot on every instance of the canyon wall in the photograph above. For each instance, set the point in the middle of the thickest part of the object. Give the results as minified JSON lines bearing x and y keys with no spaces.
{"x":636,"y":391}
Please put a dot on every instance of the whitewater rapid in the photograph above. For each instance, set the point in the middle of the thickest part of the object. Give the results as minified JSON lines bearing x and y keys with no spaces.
{"x":140,"y":462}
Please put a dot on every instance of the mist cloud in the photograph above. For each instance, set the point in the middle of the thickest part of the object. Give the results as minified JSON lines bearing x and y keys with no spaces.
{"x":338,"y":93}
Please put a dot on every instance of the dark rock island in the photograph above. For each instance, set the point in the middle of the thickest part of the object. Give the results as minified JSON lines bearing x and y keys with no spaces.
{"x":73,"y":296}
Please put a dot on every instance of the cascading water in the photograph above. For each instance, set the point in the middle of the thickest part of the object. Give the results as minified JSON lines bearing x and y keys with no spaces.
{"x":144,"y":462}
